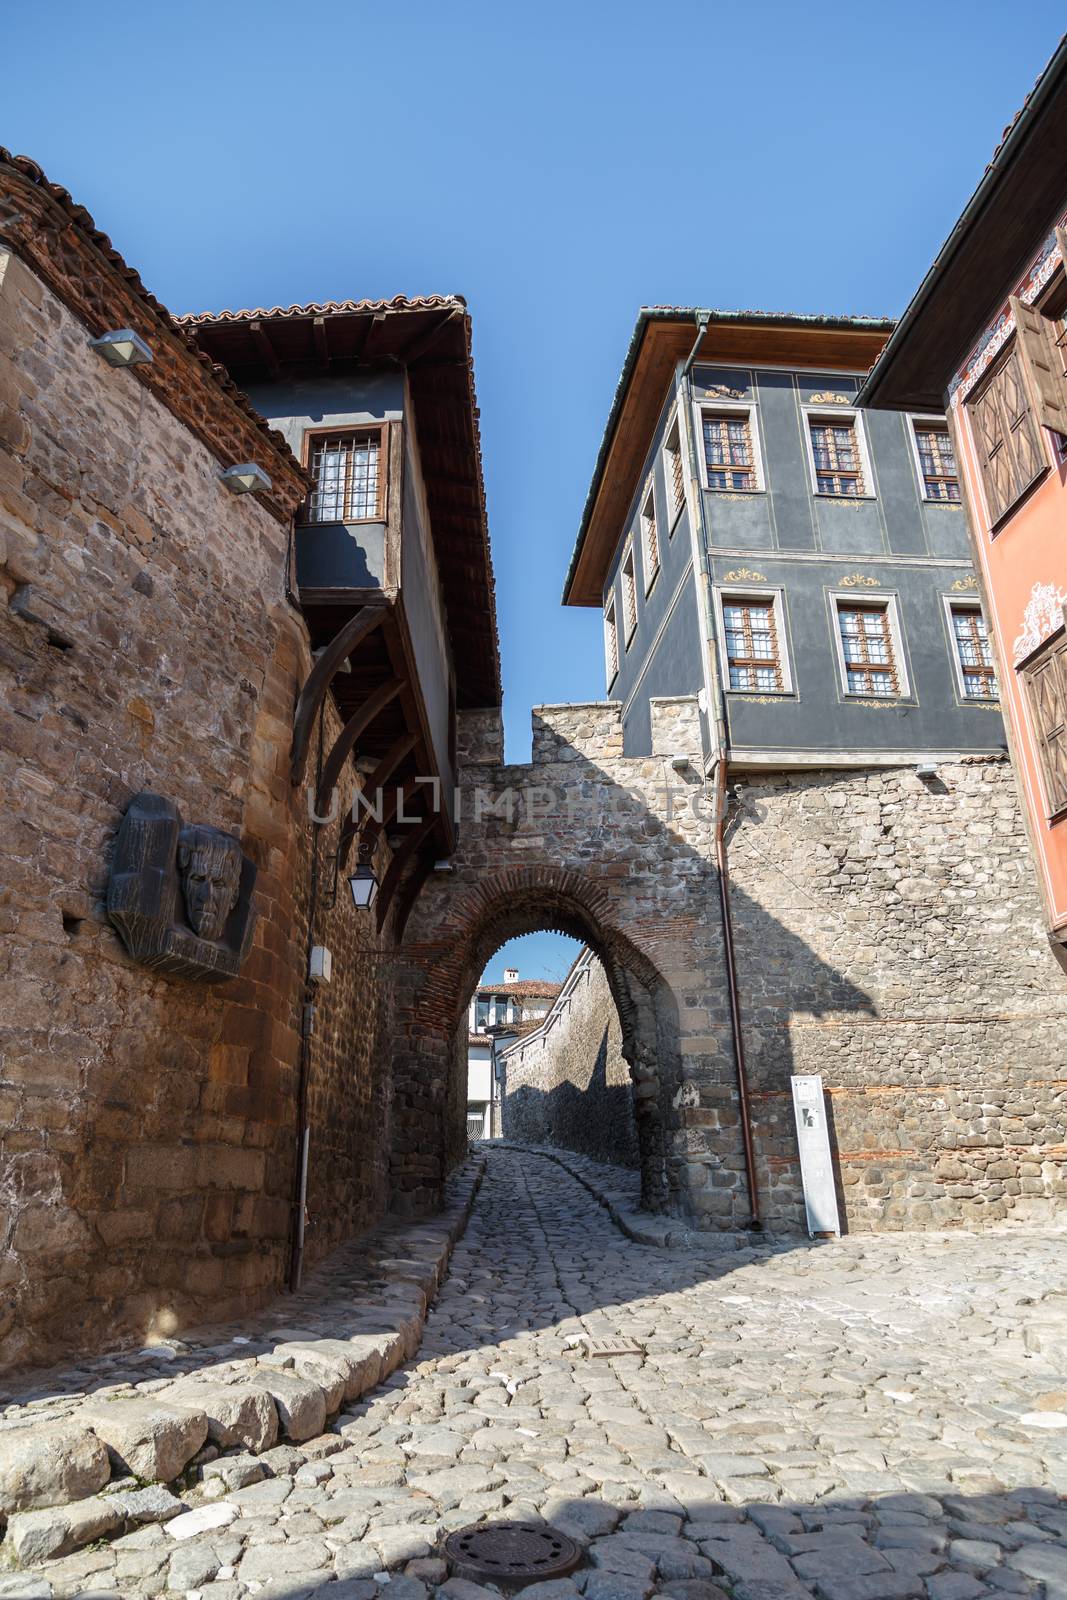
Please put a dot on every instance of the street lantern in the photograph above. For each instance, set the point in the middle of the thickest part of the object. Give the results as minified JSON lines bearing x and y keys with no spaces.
{"x":364,"y":886}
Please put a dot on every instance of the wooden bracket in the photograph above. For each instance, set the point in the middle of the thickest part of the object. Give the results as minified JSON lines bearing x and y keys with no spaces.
{"x":341,"y":646}
{"x":357,"y":724}
{"x":396,"y":867}
{"x":378,"y":778}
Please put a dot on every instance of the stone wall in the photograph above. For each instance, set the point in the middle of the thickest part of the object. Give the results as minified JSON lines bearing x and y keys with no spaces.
{"x":568,"y":1084}
{"x":889,"y":937}
{"x":146,"y":642}
{"x":888,"y":934}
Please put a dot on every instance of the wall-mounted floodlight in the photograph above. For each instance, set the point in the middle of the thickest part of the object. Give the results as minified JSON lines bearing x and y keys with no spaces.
{"x":246,"y":478}
{"x":121,"y":348}
{"x":443,"y":866}
{"x":680,"y":763}
{"x":364,"y":886}
{"x":926,"y":769}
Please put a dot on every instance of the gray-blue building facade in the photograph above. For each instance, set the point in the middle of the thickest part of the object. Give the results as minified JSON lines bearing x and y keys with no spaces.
{"x":800,"y":563}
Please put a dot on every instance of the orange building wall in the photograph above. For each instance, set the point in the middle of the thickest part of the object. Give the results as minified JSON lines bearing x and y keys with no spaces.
{"x":1028,"y":553}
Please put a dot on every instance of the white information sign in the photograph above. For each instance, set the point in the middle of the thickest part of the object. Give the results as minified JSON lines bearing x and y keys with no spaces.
{"x":816,"y":1167}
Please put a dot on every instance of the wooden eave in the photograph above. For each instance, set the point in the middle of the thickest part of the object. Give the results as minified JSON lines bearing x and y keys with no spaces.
{"x":810,"y":345}
{"x":1022,"y":195}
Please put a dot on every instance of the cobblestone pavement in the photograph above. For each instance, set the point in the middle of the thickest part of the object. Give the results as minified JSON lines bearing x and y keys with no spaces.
{"x":879,"y":1418}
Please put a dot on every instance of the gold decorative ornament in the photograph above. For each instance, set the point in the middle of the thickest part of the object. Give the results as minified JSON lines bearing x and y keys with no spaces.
{"x":720,"y":391}
{"x":825,"y":398}
{"x":858,"y":581}
{"x":743,"y":574}
{"x":969,"y":582}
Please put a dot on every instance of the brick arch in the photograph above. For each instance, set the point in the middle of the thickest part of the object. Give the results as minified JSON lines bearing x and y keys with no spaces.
{"x":450,"y":938}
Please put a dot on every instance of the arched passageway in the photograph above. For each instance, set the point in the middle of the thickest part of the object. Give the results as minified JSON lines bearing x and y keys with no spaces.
{"x":548,"y":898}
{"x":601,"y":847}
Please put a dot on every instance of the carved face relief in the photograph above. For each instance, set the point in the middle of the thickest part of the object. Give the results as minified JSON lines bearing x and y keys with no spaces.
{"x":210,"y":865}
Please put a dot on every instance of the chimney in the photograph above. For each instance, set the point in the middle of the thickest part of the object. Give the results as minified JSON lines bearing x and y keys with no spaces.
{"x":511,"y":974}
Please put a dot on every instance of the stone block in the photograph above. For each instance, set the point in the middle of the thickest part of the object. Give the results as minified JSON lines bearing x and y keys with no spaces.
{"x":240,"y":1415}
{"x":148,"y":1438}
{"x":37,"y":1536}
{"x":49,"y":1464}
{"x":301,"y":1404}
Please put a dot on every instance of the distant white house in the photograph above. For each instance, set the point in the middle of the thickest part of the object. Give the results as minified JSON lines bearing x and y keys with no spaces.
{"x":499,"y":1013}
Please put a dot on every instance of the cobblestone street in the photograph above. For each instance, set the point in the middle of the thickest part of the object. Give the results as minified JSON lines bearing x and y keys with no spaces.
{"x":883,"y":1417}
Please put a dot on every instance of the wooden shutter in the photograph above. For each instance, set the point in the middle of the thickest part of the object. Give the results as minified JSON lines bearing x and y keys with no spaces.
{"x":1042,"y":365}
{"x":1008,"y":441}
{"x":1046,"y":685}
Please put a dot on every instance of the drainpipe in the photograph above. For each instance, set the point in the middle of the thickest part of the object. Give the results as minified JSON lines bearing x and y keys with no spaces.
{"x":720,"y":745}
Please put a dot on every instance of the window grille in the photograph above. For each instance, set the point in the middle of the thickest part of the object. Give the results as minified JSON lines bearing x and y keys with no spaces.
{"x":347,"y":478}
{"x":728,"y":452}
{"x":836,"y":454}
{"x":650,"y":538}
{"x":752,"y":653}
{"x":674,"y":473}
{"x":937,"y":460}
{"x":974,"y":652}
{"x":629,"y":596}
{"x":611,"y":643}
{"x":867,"y":643}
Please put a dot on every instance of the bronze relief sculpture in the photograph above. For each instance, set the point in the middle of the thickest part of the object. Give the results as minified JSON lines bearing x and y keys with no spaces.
{"x":180,"y":894}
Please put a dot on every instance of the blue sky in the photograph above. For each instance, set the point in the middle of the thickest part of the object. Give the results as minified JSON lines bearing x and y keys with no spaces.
{"x":558,"y":165}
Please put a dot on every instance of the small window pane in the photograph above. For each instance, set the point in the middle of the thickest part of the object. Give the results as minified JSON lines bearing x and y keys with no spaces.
{"x":728,"y":451}
{"x":750,"y":635}
{"x":345,"y":472}
{"x":975,"y":653}
{"x":867,"y":646}
{"x":835,"y":452}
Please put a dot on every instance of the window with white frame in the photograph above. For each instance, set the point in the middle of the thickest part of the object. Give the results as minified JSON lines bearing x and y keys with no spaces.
{"x":973,"y":652}
{"x":753,"y":639}
{"x":838,"y":456}
{"x":673,"y":472}
{"x":649,"y":537}
{"x":611,"y":643}
{"x":731,"y":455}
{"x":869,"y":647}
{"x":936,"y":460}
{"x":629,"y":596}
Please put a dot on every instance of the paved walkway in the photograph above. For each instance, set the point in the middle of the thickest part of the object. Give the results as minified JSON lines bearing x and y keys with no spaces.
{"x":873,"y":1419}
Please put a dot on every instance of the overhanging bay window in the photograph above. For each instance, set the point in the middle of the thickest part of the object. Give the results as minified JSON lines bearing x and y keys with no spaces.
{"x":347,"y":467}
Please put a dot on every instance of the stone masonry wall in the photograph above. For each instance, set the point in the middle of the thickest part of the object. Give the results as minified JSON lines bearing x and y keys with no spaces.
{"x":889,"y":937}
{"x":888,"y":934}
{"x":571,"y":1086}
{"x":146,"y":643}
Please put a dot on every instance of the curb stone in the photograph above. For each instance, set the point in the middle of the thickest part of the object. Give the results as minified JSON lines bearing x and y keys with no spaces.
{"x":411,"y":1257}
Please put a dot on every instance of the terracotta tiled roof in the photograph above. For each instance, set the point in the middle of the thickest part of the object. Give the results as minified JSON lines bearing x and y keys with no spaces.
{"x":527,"y":988}
{"x":399,"y":302}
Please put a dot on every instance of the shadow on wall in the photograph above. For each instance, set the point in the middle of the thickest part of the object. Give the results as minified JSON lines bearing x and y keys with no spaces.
{"x":630,"y":872}
{"x":590,"y":1115}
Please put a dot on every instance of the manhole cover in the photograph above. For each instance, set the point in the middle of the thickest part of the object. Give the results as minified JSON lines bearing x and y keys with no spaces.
{"x":511,"y":1552}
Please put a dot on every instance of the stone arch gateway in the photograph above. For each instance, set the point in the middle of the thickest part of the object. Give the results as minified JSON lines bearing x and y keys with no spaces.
{"x":612,"y":850}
